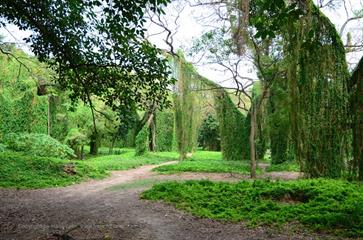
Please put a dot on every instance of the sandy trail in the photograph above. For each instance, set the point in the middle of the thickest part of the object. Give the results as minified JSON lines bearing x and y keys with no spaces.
{"x":91,"y":210}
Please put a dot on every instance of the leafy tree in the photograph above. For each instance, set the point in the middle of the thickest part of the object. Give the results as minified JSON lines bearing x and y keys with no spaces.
{"x":97,"y":48}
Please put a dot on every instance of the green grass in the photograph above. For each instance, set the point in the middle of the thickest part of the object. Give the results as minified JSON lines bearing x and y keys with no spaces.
{"x":17,"y":170}
{"x":20,"y":171}
{"x":286,"y":166}
{"x":206,"y":161}
{"x":333,"y":206}
{"x":127,"y":160}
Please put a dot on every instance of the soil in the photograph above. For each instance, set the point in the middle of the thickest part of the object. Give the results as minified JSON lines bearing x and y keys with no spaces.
{"x":91,"y":210}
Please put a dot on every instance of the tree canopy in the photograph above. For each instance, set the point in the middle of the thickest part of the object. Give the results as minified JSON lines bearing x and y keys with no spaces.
{"x":97,"y":47}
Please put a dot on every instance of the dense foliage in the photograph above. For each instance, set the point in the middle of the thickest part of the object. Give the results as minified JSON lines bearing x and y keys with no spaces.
{"x":329,"y":205}
{"x":164,"y":131}
{"x":356,"y":104}
{"x":233,"y":128}
{"x":209,"y":136}
{"x":278,"y":123}
{"x":37,"y":145}
{"x":142,"y":141}
{"x":22,"y":110}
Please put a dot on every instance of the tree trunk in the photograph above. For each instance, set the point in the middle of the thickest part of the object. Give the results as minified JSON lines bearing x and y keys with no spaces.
{"x":82,"y":152}
{"x":49,"y":115}
{"x":94,"y":144}
{"x":153,"y":135}
{"x":252,"y":141}
{"x":110,"y":150}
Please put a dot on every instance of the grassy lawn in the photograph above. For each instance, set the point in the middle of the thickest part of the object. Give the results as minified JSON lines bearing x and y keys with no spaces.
{"x":127,"y":160}
{"x":286,"y":166}
{"x":206,"y":161}
{"x":20,"y":171}
{"x":333,"y":206}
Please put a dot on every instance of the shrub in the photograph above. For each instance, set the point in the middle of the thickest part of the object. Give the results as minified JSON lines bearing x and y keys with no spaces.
{"x":37,"y":145}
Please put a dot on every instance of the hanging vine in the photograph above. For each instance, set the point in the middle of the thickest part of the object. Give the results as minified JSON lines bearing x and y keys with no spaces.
{"x":317,"y":75}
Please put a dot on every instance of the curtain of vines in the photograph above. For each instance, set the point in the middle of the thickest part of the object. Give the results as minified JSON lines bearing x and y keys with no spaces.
{"x":356,"y":104}
{"x":234,"y":128}
{"x":186,"y":107}
{"x":279,"y":122}
{"x":317,"y":80}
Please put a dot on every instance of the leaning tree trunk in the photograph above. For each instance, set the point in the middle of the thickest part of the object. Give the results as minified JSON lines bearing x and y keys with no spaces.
{"x":252,"y":141}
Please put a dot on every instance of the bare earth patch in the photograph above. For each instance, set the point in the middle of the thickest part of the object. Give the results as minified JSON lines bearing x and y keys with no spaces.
{"x":90,"y":211}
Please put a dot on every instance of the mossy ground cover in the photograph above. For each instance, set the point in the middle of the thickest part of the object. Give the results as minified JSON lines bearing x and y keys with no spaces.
{"x":206,"y":161}
{"x":333,"y":206}
{"x":21,"y":171}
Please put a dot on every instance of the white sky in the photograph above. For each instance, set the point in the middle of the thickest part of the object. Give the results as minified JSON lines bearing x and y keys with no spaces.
{"x":189,"y":27}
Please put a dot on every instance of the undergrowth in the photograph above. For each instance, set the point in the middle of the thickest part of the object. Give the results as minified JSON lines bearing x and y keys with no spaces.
{"x":333,"y":206}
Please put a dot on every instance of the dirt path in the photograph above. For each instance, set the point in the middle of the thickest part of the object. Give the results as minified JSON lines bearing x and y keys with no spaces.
{"x":91,"y":211}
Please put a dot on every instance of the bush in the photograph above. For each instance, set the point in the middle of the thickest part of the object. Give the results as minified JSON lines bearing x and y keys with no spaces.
{"x":37,"y":145}
{"x":142,"y":141}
